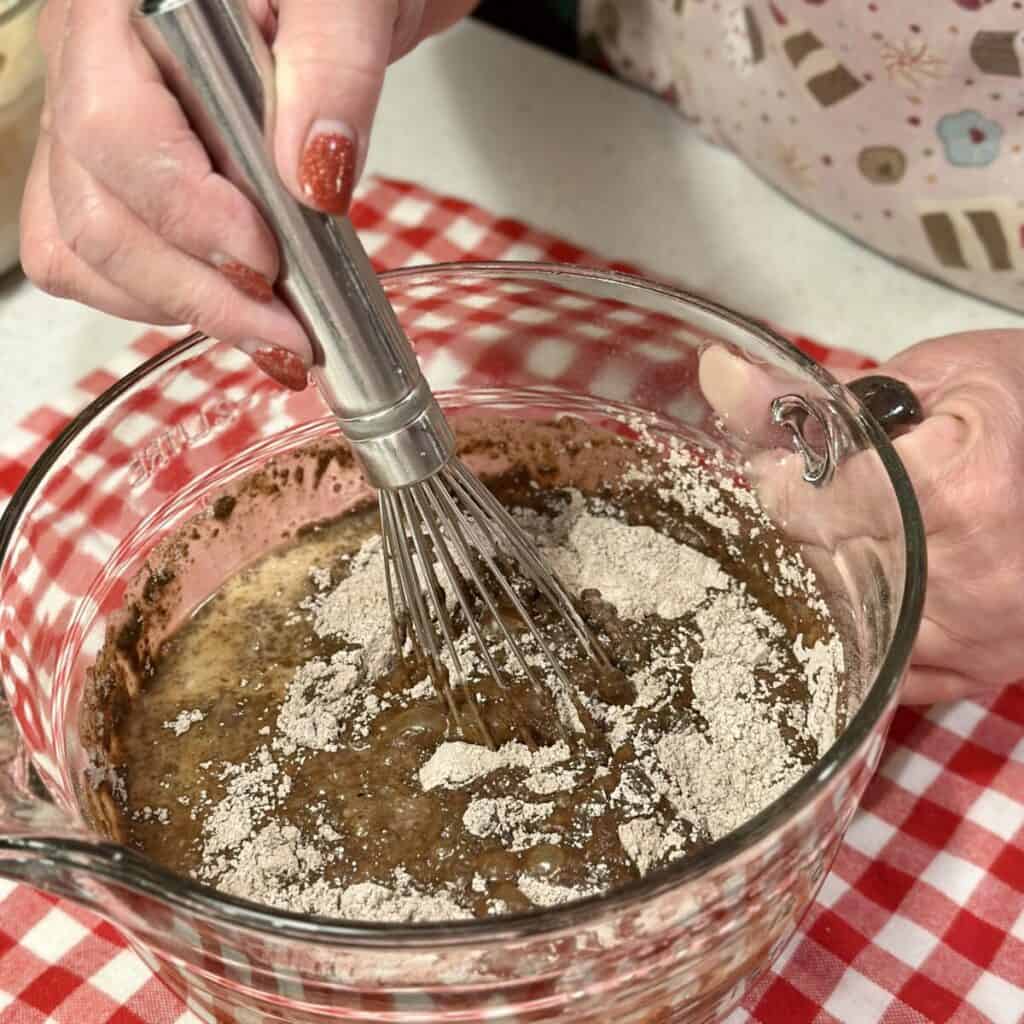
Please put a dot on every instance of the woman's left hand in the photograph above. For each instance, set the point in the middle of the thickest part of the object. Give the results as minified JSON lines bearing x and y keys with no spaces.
{"x":966,"y":462}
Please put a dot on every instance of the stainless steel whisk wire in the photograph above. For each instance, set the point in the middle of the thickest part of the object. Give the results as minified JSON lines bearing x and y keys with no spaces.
{"x":434,"y":513}
{"x":430,"y":516}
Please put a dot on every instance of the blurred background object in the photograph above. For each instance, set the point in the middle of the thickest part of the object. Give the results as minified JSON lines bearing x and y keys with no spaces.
{"x":551,"y":24}
{"x":21,"y":103}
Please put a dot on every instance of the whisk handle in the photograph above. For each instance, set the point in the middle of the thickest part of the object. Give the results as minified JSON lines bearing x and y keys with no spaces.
{"x":213,"y":57}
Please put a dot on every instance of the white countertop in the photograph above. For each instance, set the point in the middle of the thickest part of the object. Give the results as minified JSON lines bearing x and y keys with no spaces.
{"x":527,"y":134}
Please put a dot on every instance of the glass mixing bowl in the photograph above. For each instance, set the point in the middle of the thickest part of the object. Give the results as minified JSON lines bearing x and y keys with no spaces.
{"x":155,"y":449}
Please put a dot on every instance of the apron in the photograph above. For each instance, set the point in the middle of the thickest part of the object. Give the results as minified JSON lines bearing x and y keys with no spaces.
{"x":900,"y":121}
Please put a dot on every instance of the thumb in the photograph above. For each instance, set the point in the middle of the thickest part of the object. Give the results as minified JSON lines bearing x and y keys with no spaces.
{"x":741,"y":392}
{"x":330,"y":59}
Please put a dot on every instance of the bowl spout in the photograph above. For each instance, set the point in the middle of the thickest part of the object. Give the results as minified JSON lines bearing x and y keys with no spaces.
{"x":34,"y":831}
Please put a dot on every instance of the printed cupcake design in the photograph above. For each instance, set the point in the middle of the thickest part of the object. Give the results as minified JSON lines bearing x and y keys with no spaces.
{"x":744,"y":41}
{"x":998,"y":53}
{"x":823,"y":74}
{"x":882,"y":165}
{"x":969,"y":139}
{"x":912,"y":64}
{"x":973,"y":234}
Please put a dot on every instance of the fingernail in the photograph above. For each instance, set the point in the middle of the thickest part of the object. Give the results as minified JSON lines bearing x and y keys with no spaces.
{"x":278,"y":363}
{"x":328,"y":166}
{"x":724,"y":380}
{"x":244,"y":278}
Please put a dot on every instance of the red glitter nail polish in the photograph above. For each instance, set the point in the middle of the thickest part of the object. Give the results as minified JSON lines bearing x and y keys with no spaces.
{"x":247,"y":280}
{"x":283,"y":366}
{"x":327,"y":171}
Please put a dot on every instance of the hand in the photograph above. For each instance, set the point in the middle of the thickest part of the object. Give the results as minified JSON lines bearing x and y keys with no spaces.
{"x":122,"y":210}
{"x":966,"y":462}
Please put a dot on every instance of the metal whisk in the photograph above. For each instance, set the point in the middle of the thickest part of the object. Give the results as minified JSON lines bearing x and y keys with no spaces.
{"x":446,"y":539}
{"x":447,"y":535}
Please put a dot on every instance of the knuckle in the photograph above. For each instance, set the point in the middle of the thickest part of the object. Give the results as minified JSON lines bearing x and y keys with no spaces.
{"x":316,"y":63}
{"x":229,"y":214}
{"x":178,"y":157}
{"x":45,"y":265}
{"x":171,"y":201}
{"x":172,"y":214}
{"x":37,"y":261}
{"x":208,"y":307}
{"x":93,"y":229}
{"x":81,"y":120}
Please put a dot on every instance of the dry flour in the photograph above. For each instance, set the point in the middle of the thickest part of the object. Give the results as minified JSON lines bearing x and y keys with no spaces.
{"x":184,"y":721}
{"x":519,"y":822}
{"x":357,"y":609}
{"x":455,"y":763}
{"x":639,"y":571}
{"x":703,"y":776}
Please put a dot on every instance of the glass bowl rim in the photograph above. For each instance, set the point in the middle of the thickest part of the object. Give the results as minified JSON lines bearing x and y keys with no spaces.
{"x":127,"y":868}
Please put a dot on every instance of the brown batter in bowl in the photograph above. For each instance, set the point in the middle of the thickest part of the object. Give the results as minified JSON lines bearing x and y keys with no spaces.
{"x":270,"y":744}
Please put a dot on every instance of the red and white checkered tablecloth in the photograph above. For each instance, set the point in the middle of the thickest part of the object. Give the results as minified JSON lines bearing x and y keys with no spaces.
{"x":920,"y":920}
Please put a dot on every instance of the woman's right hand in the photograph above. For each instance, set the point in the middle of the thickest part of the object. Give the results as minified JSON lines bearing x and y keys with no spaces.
{"x":122,"y":210}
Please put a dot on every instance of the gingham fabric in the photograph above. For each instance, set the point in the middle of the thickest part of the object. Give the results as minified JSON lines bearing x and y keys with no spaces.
{"x":921,"y":918}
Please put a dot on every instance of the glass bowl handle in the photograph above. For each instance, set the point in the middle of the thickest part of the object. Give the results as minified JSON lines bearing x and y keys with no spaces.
{"x":890,"y":402}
